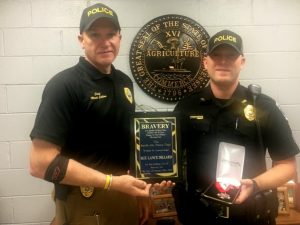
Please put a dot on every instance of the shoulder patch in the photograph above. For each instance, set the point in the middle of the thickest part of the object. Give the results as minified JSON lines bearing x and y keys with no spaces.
{"x":128,"y":95}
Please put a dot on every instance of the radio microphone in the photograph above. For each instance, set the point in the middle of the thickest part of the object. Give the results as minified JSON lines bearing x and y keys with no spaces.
{"x":255,"y":90}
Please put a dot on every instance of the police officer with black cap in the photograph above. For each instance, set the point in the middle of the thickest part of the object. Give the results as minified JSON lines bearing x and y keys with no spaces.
{"x":227,"y":112}
{"x":80,"y":139}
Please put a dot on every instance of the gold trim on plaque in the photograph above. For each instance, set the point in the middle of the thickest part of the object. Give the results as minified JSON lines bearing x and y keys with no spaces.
{"x":156,"y":145}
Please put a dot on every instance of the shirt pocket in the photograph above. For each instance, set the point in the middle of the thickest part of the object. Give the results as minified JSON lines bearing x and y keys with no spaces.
{"x":199,"y":125}
{"x":247,"y":128}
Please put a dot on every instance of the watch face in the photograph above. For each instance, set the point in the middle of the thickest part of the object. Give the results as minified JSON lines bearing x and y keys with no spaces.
{"x":166,"y":57}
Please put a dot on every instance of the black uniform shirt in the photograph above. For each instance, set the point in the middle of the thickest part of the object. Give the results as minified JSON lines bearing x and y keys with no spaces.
{"x":87,"y":114}
{"x":207,"y":121}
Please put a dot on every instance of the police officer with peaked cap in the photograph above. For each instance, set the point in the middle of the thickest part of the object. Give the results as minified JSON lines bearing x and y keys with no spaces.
{"x":227,"y":112}
{"x":80,"y":138}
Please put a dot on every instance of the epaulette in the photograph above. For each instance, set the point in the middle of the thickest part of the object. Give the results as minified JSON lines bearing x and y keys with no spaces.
{"x":263,"y":99}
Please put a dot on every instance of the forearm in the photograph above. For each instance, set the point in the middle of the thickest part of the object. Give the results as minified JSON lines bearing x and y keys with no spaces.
{"x":42,"y":155}
{"x":41,"y":159}
{"x":280,"y":173}
{"x":80,"y":175}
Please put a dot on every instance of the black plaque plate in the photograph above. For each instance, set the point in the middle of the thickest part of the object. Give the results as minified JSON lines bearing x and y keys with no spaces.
{"x":156,"y":146}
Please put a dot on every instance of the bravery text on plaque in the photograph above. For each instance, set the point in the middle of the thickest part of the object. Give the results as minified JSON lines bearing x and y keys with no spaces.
{"x":156,"y":154}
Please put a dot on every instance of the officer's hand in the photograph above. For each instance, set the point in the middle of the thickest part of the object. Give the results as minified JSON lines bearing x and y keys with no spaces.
{"x":245,"y":192}
{"x":163,"y":185}
{"x":130,"y":185}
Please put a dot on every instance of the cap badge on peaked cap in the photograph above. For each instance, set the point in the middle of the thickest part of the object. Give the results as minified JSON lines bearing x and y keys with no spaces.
{"x":95,"y":12}
{"x":225,"y":37}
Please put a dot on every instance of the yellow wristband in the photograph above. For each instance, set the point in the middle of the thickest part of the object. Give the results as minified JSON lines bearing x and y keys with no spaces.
{"x":110,"y":181}
{"x":107,"y":182}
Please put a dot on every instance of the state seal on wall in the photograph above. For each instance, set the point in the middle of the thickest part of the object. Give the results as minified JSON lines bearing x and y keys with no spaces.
{"x":166,"y":57}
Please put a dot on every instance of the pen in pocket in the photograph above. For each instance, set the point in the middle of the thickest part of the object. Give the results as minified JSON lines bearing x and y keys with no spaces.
{"x":236,"y":123}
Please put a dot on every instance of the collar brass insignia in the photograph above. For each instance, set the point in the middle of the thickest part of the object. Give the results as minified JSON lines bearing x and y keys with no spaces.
{"x":128,"y":94}
{"x":250,"y":113}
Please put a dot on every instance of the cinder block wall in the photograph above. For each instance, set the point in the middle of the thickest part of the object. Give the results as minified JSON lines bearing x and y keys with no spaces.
{"x":38,"y":38}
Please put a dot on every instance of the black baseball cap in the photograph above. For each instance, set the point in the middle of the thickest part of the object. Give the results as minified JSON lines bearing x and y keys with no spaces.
{"x":225,"y":37}
{"x":95,"y":12}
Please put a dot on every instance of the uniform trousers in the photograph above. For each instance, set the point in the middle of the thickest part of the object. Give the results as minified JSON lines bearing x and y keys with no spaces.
{"x":102,"y":208}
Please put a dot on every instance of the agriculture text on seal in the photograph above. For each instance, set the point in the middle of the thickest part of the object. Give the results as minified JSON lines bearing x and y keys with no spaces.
{"x":166,"y":57}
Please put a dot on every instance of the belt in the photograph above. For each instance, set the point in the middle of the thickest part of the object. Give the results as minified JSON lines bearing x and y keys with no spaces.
{"x":217,"y":208}
{"x":87,"y":191}
{"x":220,"y":210}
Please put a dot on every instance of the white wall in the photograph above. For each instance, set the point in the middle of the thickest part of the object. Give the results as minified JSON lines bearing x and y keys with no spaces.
{"x":38,"y":38}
